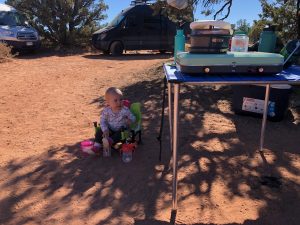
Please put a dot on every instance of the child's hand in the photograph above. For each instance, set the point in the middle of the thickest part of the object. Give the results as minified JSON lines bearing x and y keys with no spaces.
{"x":106,"y":134}
{"x":128,"y":122}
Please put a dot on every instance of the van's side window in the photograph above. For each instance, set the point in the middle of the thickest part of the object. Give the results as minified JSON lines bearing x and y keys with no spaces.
{"x":152,"y":23}
{"x":130,"y":21}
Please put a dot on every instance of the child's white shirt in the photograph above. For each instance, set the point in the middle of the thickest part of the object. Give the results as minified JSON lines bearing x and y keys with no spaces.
{"x":115,"y":121}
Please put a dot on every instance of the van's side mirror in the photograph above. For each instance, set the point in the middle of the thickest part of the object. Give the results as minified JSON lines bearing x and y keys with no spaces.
{"x":123,"y":24}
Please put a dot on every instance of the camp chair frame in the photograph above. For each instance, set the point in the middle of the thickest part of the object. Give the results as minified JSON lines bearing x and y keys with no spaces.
{"x":136,"y":127}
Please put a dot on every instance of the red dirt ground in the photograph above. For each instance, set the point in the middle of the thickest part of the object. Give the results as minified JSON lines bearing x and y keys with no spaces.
{"x":48,"y":103}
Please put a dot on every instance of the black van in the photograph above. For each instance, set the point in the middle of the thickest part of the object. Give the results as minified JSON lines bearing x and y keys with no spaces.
{"x":136,"y":28}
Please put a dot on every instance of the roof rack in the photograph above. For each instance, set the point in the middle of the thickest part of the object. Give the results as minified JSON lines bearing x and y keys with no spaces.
{"x":136,"y":2}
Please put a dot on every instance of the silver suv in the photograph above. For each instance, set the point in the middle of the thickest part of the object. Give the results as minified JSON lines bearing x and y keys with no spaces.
{"x":15,"y":31}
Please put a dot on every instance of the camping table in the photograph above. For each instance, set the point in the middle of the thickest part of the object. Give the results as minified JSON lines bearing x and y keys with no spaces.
{"x":175,"y":78}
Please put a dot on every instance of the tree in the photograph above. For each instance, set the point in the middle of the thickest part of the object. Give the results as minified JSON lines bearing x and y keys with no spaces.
{"x":187,"y":14}
{"x":242,"y":25}
{"x":256,"y":29}
{"x":209,"y":9}
{"x":176,"y":15}
{"x":62,"y":22}
{"x":283,"y":14}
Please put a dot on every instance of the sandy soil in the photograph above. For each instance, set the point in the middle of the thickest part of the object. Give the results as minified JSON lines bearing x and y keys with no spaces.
{"x":47,"y":105}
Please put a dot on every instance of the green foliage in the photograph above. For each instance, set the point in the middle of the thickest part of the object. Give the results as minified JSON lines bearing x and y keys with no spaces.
{"x":208,"y":8}
{"x":281,"y":14}
{"x":176,"y":15}
{"x":242,"y":25}
{"x":256,"y":29}
{"x":65,"y":22}
{"x":187,"y":15}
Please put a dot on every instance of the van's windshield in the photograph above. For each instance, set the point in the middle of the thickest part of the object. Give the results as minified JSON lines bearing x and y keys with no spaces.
{"x":116,"y":20}
{"x":12,"y":19}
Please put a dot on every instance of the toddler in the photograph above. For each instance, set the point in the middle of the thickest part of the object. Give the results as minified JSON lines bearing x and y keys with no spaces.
{"x":114,"y":117}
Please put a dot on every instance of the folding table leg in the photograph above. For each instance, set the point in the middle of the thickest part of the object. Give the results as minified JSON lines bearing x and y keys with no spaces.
{"x":175,"y":145}
{"x":264,"y":120}
{"x":170,"y":114}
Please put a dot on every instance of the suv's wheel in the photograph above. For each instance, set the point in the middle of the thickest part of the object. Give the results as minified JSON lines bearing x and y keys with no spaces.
{"x":116,"y":48}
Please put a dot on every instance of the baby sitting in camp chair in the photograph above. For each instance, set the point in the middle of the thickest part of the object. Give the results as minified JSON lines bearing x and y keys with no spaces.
{"x":116,"y":117}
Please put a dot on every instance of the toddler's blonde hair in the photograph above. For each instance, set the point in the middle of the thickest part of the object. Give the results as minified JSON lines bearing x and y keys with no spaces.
{"x":113,"y":91}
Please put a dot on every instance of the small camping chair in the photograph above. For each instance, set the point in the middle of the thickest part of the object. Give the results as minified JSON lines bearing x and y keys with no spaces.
{"x":136,"y":127}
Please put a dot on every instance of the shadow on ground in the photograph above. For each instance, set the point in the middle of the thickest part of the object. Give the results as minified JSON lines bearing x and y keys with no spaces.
{"x":86,"y":187}
{"x":97,"y":55}
{"x":130,"y":56}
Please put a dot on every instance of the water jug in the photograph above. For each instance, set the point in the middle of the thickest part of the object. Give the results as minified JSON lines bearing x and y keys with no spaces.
{"x":179,"y":43}
{"x":239,"y":43}
{"x":267,"y":41}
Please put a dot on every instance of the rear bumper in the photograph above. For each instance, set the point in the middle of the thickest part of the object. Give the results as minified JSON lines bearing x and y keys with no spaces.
{"x":24,"y":45}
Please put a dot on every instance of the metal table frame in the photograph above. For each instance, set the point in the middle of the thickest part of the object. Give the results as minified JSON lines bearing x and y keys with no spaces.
{"x":176,"y":79}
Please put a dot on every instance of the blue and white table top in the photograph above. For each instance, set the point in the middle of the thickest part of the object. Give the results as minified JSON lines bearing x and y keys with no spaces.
{"x":290,"y":75}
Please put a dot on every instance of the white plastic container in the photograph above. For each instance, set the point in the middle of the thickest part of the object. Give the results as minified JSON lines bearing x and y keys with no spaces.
{"x":239,"y":43}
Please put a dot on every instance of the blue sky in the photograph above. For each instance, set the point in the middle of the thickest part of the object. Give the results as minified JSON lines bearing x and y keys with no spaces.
{"x":241,"y":9}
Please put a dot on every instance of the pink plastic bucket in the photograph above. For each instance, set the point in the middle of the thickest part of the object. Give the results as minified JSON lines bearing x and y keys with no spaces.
{"x":87,"y":147}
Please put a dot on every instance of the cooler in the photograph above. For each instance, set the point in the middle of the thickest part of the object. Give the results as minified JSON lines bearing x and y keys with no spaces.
{"x":249,"y":100}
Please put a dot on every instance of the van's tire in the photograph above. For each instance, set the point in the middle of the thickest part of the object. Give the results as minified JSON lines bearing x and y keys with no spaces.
{"x":116,"y":48}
